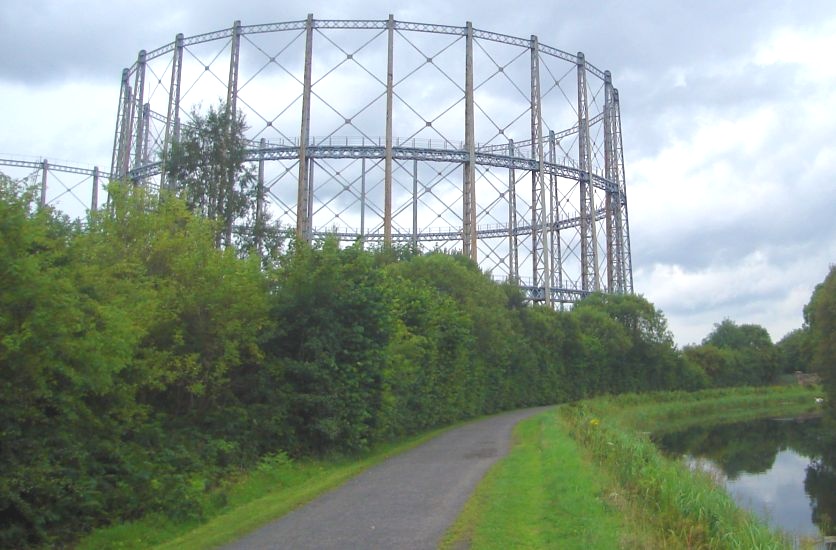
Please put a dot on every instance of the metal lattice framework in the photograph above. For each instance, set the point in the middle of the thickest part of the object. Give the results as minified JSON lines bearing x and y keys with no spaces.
{"x":387,"y":131}
{"x":63,"y":186}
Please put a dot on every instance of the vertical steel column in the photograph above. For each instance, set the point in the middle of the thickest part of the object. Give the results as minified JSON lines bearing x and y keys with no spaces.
{"x":589,"y":242}
{"x":139,"y":91}
{"x":309,"y":201}
{"x":387,"y":166}
{"x":513,"y":248}
{"x":415,"y":204}
{"x":259,"y":199}
{"x":535,"y":199}
{"x":178,"y":52}
{"x":232,"y":118}
{"x":94,"y":199}
{"x":127,"y":134}
{"x":302,"y":211}
{"x":539,"y":220}
{"x":554,"y":218}
{"x":172,"y":119}
{"x":469,"y":242}
{"x":232,"y":83}
{"x":146,"y":133}
{"x":614,"y":279}
{"x":363,"y":202}
{"x":622,"y":220}
{"x":119,"y":132}
{"x":44,"y":171}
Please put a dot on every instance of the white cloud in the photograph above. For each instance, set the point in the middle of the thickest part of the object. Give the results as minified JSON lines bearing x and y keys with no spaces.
{"x":731,"y":212}
{"x":810,"y":47}
{"x":755,"y":289}
{"x":71,"y":121}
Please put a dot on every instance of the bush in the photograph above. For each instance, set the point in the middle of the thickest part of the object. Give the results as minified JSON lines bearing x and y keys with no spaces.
{"x":141,"y":364}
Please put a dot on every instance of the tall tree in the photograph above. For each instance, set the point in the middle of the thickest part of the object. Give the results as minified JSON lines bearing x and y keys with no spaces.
{"x":794,"y":350}
{"x":646,"y":358}
{"x":729,"y":334}
{"x":745,"y":355}
{"x":208,"y":168}
{"x":820,"y":314}
{"x":62,"y":353}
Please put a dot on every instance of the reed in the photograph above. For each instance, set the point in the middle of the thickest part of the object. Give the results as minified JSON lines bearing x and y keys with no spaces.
{"x":685,"y":507}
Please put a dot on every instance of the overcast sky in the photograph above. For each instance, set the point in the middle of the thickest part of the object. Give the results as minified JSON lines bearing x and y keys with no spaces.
{"x":728,"y":116}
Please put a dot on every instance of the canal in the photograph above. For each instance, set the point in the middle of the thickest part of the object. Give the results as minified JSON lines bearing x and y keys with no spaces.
{"x":783,"y":470}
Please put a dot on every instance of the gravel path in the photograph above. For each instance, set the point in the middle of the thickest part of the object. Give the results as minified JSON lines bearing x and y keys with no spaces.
{"x":406,"y":502}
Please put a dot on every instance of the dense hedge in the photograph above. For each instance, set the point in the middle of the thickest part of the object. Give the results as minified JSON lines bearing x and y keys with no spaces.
{"x":139,"y":363}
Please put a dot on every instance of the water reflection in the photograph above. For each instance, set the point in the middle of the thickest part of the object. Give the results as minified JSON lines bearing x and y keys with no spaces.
{"x":781,"y":469}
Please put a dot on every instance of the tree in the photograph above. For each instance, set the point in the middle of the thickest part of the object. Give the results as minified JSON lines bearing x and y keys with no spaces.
{"x":795,"y":352}
{"x":63,"y":351}
{"x":331,"y":327}
{"x":729,"y":334}
{"x":207,"y":167}
{"x":639,"y":317}
{"x":648,"y":359}
{"x":747,"y":354}
{"x":205,"y":307}
{"x":140,"y":362}
{"x":820,"y":315}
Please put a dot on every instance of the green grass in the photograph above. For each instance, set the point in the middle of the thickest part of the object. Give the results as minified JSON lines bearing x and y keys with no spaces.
{"x":589,"y":477}
{"x":542,"y":495}
{"x":603,"y":487}
{"x":276,"y":487}
{"x":685,"y":508}
{"x":674,"y":411}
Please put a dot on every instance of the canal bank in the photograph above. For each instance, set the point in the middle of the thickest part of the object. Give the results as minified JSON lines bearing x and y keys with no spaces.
{"x":778,"y":468}
{"x":671,"y":505}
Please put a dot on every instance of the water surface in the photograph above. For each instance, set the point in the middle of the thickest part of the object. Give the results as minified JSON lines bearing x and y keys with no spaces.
{"x":781,"y":469}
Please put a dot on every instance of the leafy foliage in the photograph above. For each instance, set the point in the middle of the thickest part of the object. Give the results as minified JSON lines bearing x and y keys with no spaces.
{"x":207,"y":168}
{"x":117,"y":344}
{"x":736,"y":355}
{"x":141,"y":363}
{"x":795,"y":351}
{"x":688,"y":510}
{"x":330,"y":335}
{"x":820,"y":314}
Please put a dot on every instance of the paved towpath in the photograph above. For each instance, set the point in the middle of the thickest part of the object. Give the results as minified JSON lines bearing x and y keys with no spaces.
{"x":407,"y":502}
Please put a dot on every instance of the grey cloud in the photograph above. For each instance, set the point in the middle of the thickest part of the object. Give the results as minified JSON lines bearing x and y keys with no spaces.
{"x":53,"y":39}
{"x":724,"y":236}
{"x":644,"y":43}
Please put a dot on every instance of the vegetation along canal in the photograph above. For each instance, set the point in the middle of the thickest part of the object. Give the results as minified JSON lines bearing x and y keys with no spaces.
{"x":779,"y":468}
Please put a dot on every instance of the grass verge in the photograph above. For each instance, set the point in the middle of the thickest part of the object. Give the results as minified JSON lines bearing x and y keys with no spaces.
{"x":663,"y":412}
{"x":275,"y":487}
{"x":589,"y":476}
{"x":542,"y":495}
